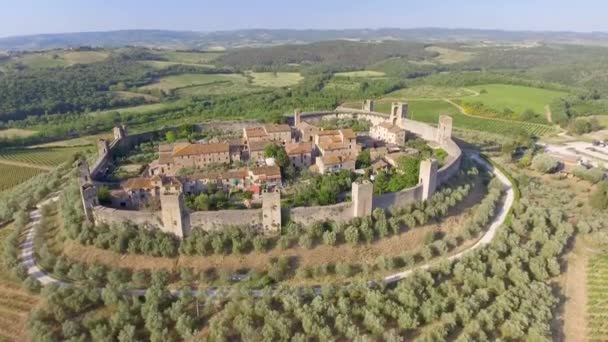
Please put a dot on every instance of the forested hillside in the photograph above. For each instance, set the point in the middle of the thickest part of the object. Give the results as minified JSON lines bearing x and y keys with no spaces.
{"x":73,"y":89}
{"x":343,"y":55}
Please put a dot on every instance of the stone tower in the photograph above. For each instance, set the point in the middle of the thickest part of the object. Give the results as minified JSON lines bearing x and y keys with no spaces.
{"x":271,"y":211}
{"x":362,"y":197}
{"x":297,"y":117}
{"x":102,"y":147}
{"x":368,"y":105}
{"x":119,"y":132}
{"x":428,"y":177}
{"x":399,"y":112}
{"x":174,"y":218}
{"x":444,"y":130}
{"x":88,"y":191}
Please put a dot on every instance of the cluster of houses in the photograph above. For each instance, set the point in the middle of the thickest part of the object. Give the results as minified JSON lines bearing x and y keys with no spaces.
{"x":306,"y":145}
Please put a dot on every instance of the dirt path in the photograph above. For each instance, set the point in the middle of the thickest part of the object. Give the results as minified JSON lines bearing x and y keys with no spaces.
{"x":549,"y":114}
{"x":33,"y":166}
{"x":575,"y":291}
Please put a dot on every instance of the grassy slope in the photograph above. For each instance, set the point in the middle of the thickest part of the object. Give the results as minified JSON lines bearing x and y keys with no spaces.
{"x":15,"y":302}
{"x":517,"y":98}
{"x":361,"y":73}
{"x":14,"y":175}
{"x":279,"y":79}
{"x":186,"y":80}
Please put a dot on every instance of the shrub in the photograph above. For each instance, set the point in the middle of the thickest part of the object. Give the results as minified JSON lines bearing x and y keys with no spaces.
{"x":351,"y":235}
{"x":330,"y":238}
{"x":593,"y":175}
{"x":545,"y":163}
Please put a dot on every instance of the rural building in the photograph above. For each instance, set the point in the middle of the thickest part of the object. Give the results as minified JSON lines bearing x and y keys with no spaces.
{"x":300,"y":154}
{"x":389,"y":133}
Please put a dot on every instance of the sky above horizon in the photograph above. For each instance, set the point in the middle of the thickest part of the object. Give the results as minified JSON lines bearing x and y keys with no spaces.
{"x":22,"y":17}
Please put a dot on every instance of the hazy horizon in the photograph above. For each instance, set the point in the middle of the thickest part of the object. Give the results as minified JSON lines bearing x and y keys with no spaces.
{"x":72,"y":16}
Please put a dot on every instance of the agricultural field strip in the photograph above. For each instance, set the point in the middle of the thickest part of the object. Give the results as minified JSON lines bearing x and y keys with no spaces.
{"x":14,"y":175}
{"x":597,"y":301}
{"x":29,"y":261}
{"x":45,"y":158}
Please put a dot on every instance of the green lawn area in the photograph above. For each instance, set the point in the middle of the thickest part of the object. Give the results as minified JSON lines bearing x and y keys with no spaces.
{"x":16,"y":132}
{"x":143,"y":109}
{"x":164,"y":64}
{"x":51,"y":59}
{"x":517,"y":98}
{"x":450,"y":56}
{"x":361,"y":73}
{"x":275,"y":79}
{"x":430,"y":110}
{"x":191,"y":57}
{"x":429,"y":92}
{"x":188,"y":80}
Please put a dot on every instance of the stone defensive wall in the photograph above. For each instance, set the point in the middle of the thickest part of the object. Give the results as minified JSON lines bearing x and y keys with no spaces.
{"x":212,"y":220}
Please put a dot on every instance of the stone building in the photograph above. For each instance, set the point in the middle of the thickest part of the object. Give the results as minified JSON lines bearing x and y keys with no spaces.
{"x":389,"y":133}
{"x":300,"y":154}
{"x":339,"y":143}
{"x":334,"y":163}
{"x":274,"y":132}
{"x":268,"y":176}
{"x":255,"y":150}
{"x":201,"y":155}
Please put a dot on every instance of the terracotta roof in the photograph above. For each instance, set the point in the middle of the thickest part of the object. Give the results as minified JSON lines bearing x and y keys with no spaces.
{"x":331,"y":160}
{"x":277,"y":128}
{"x":268,"y":171}
{"x":230,"y":174}
{"x":391,"y":128}
{"x":255,"y":132}
{"x":196,"y":149}
{"x":306,"y":125}
{"x":329,"y":132}
{"x":328,"y":146}
{"x":259,"y":145}
{"x":298,"y":148}
{"x":137,"y":183}
{"x":348,"y":133}
{"x":165,"y":158}
{"x":165,"y":148}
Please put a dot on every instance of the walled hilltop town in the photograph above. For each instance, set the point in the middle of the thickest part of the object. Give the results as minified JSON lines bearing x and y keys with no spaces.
{"x":306,"y":145}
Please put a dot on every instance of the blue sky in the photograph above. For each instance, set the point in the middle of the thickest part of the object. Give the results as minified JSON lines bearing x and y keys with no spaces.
{"x":50,"y":16}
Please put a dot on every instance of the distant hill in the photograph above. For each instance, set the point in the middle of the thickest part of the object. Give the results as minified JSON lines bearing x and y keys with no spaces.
{"x":265,"y":37}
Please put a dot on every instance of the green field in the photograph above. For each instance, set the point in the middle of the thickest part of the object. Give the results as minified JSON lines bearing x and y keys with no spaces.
{"x":275,"y":79}
{"x":430,"y":110}
{"x":48,"y":157}
{"x":218,"y":88}
{"x":53,"y":59}
{"x":429,"y":92}
{"x":191,"y":57}
{"x":597,"y":299}
{"x":517,"y":98}
{"x":164,"y":64}
{"x":16,"y":132}
{"x":189,"y":80}
{"x":14,"y":175}
{"x":450,"y":56}
{"x":361,"y":73}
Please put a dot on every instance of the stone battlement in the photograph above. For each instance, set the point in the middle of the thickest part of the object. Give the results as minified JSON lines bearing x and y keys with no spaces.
{"x":174,"y":218}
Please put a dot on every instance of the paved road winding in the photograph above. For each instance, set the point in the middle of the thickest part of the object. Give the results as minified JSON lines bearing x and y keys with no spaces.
{"x":29,"y":261}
